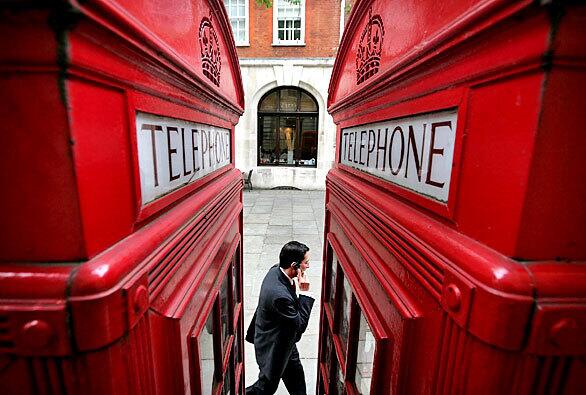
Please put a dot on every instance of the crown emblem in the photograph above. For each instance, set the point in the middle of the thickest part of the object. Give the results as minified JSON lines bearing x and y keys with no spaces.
{"x":211,"y":62}
{"x":369,"y":48}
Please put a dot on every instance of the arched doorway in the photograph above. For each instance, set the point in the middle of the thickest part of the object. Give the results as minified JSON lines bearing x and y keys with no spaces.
{"x":287,"y":128}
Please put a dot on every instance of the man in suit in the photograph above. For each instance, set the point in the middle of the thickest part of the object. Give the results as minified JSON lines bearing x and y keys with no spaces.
{"x":279,"y":321}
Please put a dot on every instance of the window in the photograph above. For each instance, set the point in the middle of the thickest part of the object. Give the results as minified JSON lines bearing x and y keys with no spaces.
{"x":364,"y":357}
{"x":216,"y":344}
{"x":206,"y":349}
{"x":332,"y":283}
{"x":227,"y":388}
{"x":238,"y":14}
{"x":287,"y":128}
{"x":288,"y":23}
{"x":236,"y":279}
{"x":351,"y":335}
{"x":344,"y":312}
{"x":225,"y":310}
{"x":337,"y":385}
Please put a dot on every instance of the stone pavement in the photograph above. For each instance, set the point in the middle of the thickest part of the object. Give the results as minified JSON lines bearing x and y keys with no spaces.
{"x":271,"y":219}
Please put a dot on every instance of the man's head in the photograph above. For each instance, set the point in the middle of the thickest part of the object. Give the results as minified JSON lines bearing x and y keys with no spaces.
{"x":293,"y":254}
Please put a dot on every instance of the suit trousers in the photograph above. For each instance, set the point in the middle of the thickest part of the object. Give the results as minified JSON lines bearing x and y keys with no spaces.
{"x":293,"y":377}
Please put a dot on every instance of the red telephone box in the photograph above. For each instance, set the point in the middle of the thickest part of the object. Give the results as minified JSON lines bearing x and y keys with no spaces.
{"x":120,"y":208}
{"x":455,"y":222}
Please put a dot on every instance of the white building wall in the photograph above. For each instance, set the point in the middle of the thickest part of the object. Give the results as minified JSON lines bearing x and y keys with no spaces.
{"x":261,"y":75}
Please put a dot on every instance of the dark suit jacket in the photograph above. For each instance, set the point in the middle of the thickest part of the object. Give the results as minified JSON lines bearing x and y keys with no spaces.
{"x":278,"y":323}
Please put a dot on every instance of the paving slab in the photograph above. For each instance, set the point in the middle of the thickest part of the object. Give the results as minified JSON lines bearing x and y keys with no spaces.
{"x":309,"y":216}
{"x":258,"y":218}
{"x":298,"y":208}
{"x":261,"y":209}
{"x":253,"y":242}
{"x":254,"y":230}
{"x":279,"y":230}
{"x":278,"y":239}
{"x":281,"y":220}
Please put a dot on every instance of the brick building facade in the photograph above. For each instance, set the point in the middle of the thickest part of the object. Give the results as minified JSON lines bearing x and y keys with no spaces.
{"x":286,"y":56}
{"x":322,"y":34}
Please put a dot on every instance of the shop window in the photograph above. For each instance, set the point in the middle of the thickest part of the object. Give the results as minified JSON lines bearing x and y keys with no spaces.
{"x":238,"y":14}
{"x":288,"y":23}
{"x":270,"y":102}
{"x":307,"y":103}
{"x":288,"y":100}
{"x":287,"y":128}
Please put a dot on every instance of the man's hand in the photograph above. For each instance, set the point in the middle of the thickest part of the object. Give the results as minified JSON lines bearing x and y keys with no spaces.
{"x":303,"y":281}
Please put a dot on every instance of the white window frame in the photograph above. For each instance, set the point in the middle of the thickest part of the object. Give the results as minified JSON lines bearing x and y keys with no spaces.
{"x":246,"y":42}
{"x":342,"y":21}
{"x":288,"y":43}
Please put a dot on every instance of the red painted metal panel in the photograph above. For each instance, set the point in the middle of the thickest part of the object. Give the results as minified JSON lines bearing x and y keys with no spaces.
{"x":490,"y":280}
{"x":33,"y":163}
{"x":548,"y":230}
{"x":107,"y":217}
{"x":490,"y":141}
{"x":98,"y":291}
{"x":175,"y":27}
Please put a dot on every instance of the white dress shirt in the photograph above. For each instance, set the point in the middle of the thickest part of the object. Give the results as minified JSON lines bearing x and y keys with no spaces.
{"x":297,"y":290}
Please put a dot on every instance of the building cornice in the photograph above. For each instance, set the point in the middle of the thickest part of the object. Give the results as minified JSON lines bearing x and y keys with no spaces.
{"x":308,"y":62}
